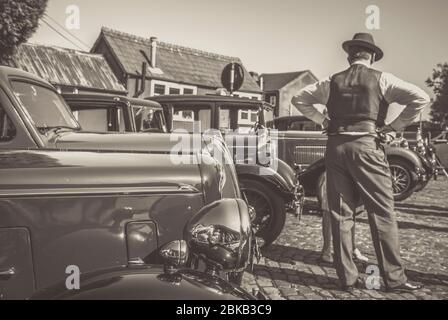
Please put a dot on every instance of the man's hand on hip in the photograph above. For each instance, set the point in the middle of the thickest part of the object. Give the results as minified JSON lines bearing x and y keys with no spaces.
{"x":386,"y":129}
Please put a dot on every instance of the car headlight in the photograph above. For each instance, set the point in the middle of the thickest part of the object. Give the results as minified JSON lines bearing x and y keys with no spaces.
{"x":220,"y":233}
{"x":215,"y":235}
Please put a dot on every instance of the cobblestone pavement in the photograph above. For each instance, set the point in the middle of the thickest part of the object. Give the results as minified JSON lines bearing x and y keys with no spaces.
{"x":290,"y":268}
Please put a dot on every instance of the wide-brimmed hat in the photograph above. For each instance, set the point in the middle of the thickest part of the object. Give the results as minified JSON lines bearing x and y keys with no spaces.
{"x":364,"y":40}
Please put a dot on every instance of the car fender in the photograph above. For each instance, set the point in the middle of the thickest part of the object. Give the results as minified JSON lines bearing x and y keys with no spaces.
{"x":308,"y":177}
{"x":268,"y":176}
{"x":405,"y":154}
{"x":145,"y":283}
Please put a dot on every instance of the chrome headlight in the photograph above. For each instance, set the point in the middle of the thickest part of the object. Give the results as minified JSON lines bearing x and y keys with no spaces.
{"x":220,"y":233}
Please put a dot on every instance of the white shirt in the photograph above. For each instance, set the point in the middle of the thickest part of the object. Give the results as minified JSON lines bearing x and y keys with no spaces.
{"x":392,"y":88}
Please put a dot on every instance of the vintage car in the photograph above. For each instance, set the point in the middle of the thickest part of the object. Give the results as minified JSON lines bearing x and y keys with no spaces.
{"x":128,"y":223}
{"x":305,"y":150}
{"x":240,"y":120}
{"x":34,"y":116}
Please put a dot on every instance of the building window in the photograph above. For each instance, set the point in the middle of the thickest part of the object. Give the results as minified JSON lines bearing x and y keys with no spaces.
{"x":164,"y":87}
{"x":159,"y":89}
{"x":273,"y":100}
{"x":174,"y":91}
{"x":247,"y":117}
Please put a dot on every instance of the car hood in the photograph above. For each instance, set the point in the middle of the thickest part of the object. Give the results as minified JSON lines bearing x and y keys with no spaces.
{"x":128,"y":142}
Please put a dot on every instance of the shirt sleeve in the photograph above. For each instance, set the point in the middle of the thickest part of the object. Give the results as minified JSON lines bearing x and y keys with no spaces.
{"x":316,"y":93}
{"x":403,"y":93}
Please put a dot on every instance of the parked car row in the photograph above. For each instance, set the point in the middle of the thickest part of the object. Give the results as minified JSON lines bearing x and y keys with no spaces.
{"x":97,"y":182}
{"x":113,"y":206}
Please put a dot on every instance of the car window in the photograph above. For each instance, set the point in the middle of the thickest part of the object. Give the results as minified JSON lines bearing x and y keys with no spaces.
{"x":192,"y":119}
{"x":7,"y":129}
{"x":101,"y":119}
{"x":237,"y":119}
{"x":304,"y":125}
{"x":148,"y":119}
{"x":44,"y":106}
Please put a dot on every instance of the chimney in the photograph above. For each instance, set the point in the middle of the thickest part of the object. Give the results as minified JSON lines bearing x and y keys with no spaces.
{"x":153,"y":61}
{"x":261,"y":82}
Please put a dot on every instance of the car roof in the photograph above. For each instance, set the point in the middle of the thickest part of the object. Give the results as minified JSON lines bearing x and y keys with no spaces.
{"x":209,"y":98}
{"x":107,"y":97}
{"x":9,"y":72}
{"x":292,"y":118}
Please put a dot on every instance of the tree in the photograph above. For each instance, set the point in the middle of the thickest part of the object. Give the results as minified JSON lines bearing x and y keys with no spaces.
{"x":439,"y":83}
{"x":18,"y":21}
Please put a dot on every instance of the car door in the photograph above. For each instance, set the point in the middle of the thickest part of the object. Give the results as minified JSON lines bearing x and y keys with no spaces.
{"x":16,"y":267}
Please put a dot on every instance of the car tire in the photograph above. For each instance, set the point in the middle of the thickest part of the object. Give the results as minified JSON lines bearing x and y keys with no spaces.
{"x":402,"y":179}
{"x":267,"y":201}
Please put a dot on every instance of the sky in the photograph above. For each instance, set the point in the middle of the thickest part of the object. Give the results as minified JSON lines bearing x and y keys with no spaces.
{"x":273,"y":36}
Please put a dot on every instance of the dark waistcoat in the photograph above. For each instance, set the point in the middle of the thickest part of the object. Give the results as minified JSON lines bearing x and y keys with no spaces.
{"x":356,"y":102}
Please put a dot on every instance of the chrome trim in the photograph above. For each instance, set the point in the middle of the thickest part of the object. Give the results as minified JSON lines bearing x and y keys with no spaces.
{"x":6,"y":274}
{"x":63,"y":191}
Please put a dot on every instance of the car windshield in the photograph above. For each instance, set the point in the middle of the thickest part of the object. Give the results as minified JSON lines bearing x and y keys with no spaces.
{"x":45,"y":107}
{"x":241,"y":119}
{"x":149,"y":119}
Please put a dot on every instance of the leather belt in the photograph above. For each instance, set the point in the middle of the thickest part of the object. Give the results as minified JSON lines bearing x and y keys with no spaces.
{"x":337,"y":127}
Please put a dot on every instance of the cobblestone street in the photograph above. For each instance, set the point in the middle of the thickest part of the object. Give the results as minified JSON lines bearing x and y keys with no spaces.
{"x":290,"y":268}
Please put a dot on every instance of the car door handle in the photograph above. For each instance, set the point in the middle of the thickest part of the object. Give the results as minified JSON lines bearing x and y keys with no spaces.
{"x":6,"y":274}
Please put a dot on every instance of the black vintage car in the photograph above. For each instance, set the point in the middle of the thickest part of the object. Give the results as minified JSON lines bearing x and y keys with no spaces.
{"x":116,"y":218}
{"x":34,"y":116}
{"x":269,"y":184}
{"x":302,"y":145}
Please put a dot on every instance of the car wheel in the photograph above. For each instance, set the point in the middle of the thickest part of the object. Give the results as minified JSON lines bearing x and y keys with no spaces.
{"x":402,"y":179}
{"x":270,"y":210}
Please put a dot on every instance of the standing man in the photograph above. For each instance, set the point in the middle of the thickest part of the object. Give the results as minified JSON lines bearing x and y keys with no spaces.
{"x":357,"y":101}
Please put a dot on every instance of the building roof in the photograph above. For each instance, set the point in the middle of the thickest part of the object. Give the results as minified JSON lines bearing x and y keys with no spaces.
{"x":276,"y":81}
{"x":66,"y":67}
{"x":178,"y":64}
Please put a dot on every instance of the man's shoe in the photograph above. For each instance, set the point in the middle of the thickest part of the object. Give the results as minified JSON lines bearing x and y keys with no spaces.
{"x":326,"y":258}
{"x":405,"y":287}
{"x":357,"y":285}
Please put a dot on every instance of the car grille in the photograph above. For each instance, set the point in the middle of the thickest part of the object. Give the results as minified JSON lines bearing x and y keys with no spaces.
{"x":304,"y":155}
